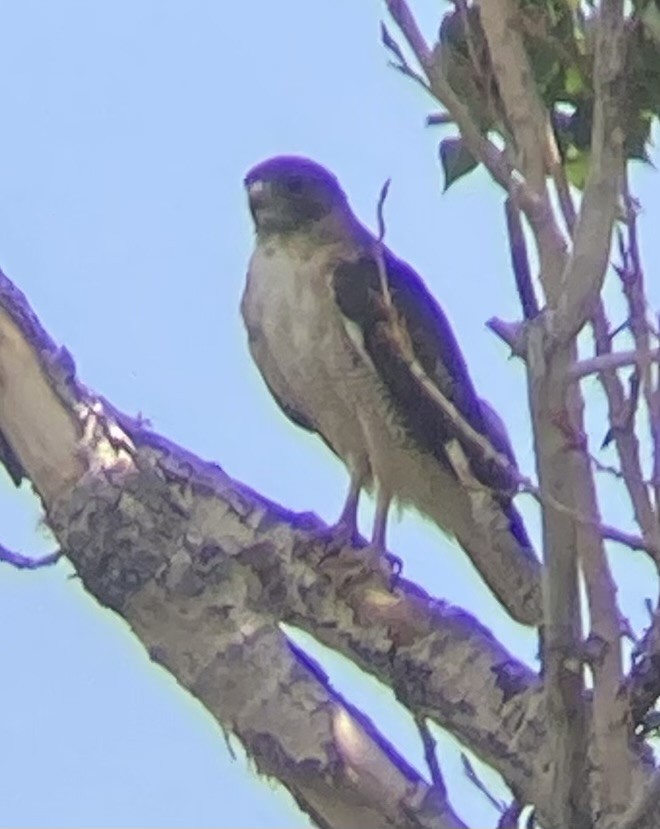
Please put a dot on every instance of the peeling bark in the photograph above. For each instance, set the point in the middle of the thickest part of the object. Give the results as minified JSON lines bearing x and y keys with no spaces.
{"x":204,"y":569}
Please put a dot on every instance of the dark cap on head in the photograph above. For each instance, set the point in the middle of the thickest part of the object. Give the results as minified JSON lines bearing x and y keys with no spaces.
{"x":280,"y":167}
{"x":289,"y":192}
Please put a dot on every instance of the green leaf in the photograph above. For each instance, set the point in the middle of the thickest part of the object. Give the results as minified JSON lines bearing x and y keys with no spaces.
{"x":457,"y":161}
{"x":573,"y":81}
{"x":651,"y":20}
{"x":577,"y":166}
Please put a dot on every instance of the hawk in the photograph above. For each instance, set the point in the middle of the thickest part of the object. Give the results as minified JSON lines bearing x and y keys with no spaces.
{"x":353,"y":347}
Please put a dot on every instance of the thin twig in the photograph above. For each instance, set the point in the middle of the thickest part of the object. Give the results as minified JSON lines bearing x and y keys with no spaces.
{"x":627,"y":444}
{"x":562,"y":188}
{"x":612,"y":766}
{"x":520,"y":260}
{"x":632,"y":278}
{"x":430,"y":755}
{"x":612,"y":360}
{"x":537,"y":210}
{"x":379,"y":254}
{"x":585,"y":273}
{"x":522,"y":104}
{"x":436,"y":119}
{"x":609,"y":469}
{"x":401,"y":64}
{"x":470,"y":442}
{"x":513,"y":334}
{"x":472,"y":776}
{"x":479,"y":444}
{"x":22,"y":562}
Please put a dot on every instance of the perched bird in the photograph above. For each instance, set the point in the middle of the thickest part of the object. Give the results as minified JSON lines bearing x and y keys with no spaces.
{"x":353,"y":347}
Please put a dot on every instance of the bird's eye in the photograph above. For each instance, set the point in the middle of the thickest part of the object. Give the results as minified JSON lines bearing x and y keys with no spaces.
{"x":295,"y":184}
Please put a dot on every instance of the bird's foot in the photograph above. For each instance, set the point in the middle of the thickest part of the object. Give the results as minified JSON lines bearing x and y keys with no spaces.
{"x":345,"y":533}
{"x":338,"y":537}
{"x":344,"y":544}
{"x":373,"y":559}
{"x":378,"y":559}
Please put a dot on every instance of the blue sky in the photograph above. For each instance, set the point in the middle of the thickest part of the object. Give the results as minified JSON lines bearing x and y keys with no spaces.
{"x":127,"y":129}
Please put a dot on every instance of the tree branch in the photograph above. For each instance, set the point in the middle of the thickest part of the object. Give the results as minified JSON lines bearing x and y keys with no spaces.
{"x":632,"y":279}
{"x":609,"y":361}
{"x":625,"y":439}
{"x":136,"y":519}
{"x":520,"y":262}
{"x":203,"y":569}
{"x":515,"y":80}
{"x":537,"y":210}
{"x":22,"y":562}
{"x":585,"y":272}
{"x":513,"y":577}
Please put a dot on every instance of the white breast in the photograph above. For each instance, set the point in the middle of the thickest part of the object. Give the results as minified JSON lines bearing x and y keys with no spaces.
{"x":314,"y":361}
{"x":298,"y":340}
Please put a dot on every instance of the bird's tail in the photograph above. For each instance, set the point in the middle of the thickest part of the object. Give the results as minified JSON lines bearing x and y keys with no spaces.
{"x":491,"y":531}
{"x":498,"y":546}
{"x":488,"y":527}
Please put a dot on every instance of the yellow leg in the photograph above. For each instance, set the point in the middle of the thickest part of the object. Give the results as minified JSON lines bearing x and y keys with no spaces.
{"x":378,"y":538}
{"x":346,"y":525}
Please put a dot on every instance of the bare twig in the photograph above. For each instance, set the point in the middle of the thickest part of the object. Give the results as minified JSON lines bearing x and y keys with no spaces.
{"x":429,"y":744}
{"x":612,"y":360}
{"x":473,"y":777}
{"x":528,"y":122}
{"x":609,"y":469}
{"x":384,"y":190}
{"x":524,"y":108}
{"x":635,"y":542}
{"x":610,"y":707}
{"x":632,"y":278}
{"x":625,"y":439}
{"x":401,"y":64}
{"x":380,"y":259}
{"x":537,"y":210}
{"x":22,"y":562}
{"x":479,"y":445}
{"x":522,"y":604}
{"x":520,"y":260}
{"x":612,"y":780}
{"x":513,"y":334}
{"x":586,"y":269}
{"x":560,"y":182}
{"x":438,"y":119}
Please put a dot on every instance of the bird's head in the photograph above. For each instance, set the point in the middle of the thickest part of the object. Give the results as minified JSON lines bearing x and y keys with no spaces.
{"x":290,"y":193}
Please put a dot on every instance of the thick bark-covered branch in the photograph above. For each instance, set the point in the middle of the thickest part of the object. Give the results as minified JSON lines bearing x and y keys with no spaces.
{"x":146,"y":523}
{"x":203,"y":569}
{"x":143,"y":525}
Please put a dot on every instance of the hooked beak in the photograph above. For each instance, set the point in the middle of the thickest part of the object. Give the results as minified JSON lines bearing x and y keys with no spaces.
{"x":258,"y":192}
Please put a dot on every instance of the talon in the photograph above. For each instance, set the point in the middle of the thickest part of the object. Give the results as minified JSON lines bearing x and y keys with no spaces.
{"x":345,"y":532}
{"x":379,"y":560}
